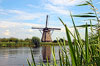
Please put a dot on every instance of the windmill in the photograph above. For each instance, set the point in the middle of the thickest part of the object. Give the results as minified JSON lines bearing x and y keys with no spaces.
{"x":46,"y":32}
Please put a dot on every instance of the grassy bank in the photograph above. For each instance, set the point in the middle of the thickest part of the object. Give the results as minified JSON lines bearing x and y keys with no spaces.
{"x":48,"y":43}
{"x":25,"y":44}
{"x":14,"y":44}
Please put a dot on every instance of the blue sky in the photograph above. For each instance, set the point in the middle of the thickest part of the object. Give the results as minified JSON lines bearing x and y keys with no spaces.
{"x":18,"y":16}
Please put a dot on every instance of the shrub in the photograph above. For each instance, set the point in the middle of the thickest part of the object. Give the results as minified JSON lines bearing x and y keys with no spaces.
{"x":36,"y":41}
{"x":55,"y":41}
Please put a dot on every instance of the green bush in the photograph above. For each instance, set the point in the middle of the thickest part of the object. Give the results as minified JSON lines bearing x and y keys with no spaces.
{"x":36,"y":41}
{"x":55,"y":41}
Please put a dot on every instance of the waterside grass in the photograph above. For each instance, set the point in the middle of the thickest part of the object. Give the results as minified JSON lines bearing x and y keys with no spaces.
{"x":25,"y":44}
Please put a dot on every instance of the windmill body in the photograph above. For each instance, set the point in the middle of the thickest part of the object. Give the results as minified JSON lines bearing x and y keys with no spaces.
{"x":46,"y":36}
{"x":46,"y":32}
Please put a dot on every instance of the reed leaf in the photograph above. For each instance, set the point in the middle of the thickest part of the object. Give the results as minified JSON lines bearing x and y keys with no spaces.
{"x":60,"y":59}
{"x":76,"y":31}
{"x":53,"y":53}
{"x":33,"y":58}
{"x":47,"y":62}
{"x":28,"y":63}
{"x":88,"y":13}
{"x":82,"y":4}
{"x":84,"y":16}
{"x":86,"y":45}
{"x":88,"y":25}
{"x":72,"y":52}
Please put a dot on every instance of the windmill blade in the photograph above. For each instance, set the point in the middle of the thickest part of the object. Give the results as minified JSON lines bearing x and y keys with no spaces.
{"x":46,"y":21}
{"x":36,"y":28}
{"x":54,"y":28}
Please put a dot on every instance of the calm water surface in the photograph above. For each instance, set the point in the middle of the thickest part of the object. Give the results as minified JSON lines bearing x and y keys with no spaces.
{"x":19,"y":56}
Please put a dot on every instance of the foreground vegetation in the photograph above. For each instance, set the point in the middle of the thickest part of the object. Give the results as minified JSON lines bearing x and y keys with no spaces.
{"x":80,"y":54}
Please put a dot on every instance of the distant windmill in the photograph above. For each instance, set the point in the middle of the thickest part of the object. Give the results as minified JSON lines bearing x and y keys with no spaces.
{"x":46,"y":35}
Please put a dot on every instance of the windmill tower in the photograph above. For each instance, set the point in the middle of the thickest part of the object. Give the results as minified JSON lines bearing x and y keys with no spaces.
{"x":46,"y":35}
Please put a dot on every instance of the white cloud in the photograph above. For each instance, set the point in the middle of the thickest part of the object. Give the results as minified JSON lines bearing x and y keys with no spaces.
{"x":32,"y":6}
{"x":3,"y":12}
{"x":30,"y":30}
{"x":98,"y":3}
{"x":18,"y":30}
{"x":59,"y":6}
{"x":56,"y":9}
{"x":65,"y":2}
{"x":16,"y":11}
{"x":23,"y":30}
{"x":21,"y":15}
{"x":9,"y":24}
{"x":7,"y":33}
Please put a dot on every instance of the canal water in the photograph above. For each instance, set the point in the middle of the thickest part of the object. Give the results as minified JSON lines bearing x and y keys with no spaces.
{"x":18,"y":56}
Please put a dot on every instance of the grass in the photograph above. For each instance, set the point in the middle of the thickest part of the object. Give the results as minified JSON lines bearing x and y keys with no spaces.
{"x":48,"y":43}
{"x":13,"y":44}
{"x":25,"y":44}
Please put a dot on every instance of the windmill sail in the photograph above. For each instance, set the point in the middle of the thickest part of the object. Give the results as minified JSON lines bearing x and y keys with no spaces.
{"x":37,"y":28}
{"x":46,"y":35}
{"x":46,"y":21}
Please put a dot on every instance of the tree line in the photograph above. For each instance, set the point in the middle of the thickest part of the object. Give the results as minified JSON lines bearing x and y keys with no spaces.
{"x":12,"y":39}
{"x":33,"y":40}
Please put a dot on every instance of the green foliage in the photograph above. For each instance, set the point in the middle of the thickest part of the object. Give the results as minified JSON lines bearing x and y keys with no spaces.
{"x":13,"y":44}
{"x":4,"y":40}
{"x":85,"y":25}
{"x":55,"y":41}
{"x":80,"y":54}
{"x":83,"y":4}
{"x":36,"y":41}
{"x":27,"y":40}
{"x":13,"y":39}
{"x":93,"y":39}
{"x":84,"y":16}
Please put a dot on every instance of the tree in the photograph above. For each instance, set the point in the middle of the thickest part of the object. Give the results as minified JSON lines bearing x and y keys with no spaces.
{"x":21,"y":40}
{"x":28,"y":40}
{"x":55,"y":41}
{"x":4,"y":39}
{"x":36,"y":41}
{"x":13,"y":39}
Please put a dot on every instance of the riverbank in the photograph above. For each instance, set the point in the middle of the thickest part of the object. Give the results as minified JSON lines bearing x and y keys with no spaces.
{"x":25,"y":44}
{"x":14,"y":44}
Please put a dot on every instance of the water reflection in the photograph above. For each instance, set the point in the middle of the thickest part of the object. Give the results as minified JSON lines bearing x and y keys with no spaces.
{"x":46,"y":53}
{"x":36,"y":50}
{"x":18,"y":56}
